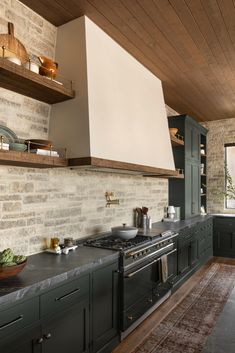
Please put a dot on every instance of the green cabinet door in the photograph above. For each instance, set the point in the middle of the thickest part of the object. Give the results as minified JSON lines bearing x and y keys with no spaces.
{"x":224,"y":237}
{"x":184,"y":255}
{"x":68,"y":331}
{"x":192,"y":142}
{"x":192,"y":187}
{"x":185,"y":193}
{"x":104,"y":307}
{"x":194,"y":255}
{"x":27,"y":342}
{"x":172,"y":267}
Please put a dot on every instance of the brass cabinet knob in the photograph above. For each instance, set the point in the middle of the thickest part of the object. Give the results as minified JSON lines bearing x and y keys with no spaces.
{"x":130,"y":317}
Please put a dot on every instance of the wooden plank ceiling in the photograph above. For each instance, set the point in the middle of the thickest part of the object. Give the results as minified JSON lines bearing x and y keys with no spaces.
{"x":188,"y":44}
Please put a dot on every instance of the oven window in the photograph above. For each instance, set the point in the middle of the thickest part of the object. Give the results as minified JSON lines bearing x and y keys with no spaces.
{"x":139,"y":282}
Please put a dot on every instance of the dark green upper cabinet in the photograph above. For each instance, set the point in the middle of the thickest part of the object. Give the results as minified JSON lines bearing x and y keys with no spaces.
{"x":192,"y":141}
{"x":186,"y":193}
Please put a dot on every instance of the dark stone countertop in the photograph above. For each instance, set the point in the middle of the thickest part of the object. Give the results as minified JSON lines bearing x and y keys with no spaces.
{"x":222,"y":338}
{"x":229,"y":215}
{"x":176,"y":226}
{"x":44,"y":270}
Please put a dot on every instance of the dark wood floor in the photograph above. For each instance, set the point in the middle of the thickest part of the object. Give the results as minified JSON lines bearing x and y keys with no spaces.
{"x":133,"y":340}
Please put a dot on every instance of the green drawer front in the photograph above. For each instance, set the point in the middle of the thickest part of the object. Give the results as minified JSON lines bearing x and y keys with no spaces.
{"x":185,"y":234}
{"x":137,"y":310}
{"x":64,"y":296}
{"x":18,"y":316}
{"x":224,"y":222}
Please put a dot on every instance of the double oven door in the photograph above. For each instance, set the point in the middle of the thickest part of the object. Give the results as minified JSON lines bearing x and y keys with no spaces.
{"x":145,"y":284}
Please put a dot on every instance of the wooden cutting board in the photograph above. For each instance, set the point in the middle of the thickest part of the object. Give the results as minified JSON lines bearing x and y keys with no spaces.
{"x":14,"y":48}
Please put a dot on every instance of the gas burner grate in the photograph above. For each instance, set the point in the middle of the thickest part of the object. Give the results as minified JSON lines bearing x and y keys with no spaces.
{"x":115,"y":243}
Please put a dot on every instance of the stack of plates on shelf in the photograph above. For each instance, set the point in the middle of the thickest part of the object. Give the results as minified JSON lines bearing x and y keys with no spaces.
{"x":45,"y":152}
{"x":4,"y":146}
{"x":7,"y":134}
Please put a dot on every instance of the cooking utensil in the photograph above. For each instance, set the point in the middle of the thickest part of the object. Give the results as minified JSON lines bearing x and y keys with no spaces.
{"x":124,"y":232}
{"x":11,"y":271}
{"x":138,"y":217}
{"x":14,"y":48}
{"x":48,"y":67}
{"x":145,"y":210}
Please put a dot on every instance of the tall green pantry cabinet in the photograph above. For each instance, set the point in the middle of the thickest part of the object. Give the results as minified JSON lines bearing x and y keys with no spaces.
{"x":189,"y":192}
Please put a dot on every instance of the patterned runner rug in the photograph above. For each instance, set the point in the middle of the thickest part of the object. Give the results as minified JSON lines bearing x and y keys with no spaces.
{"x":186,"y":328}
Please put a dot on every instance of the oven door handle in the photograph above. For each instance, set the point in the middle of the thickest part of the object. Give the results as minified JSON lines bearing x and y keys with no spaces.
{"x":140,"y":269}
{"x":171,"y":252}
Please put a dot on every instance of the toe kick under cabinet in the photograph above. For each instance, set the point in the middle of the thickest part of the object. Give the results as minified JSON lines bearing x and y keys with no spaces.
{"x":64,"y":318}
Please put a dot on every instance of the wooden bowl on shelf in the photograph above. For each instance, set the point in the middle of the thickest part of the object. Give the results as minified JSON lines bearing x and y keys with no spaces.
{"x":39,"y":144}
{"x":173,"y":131}
{"x":10,"y":271}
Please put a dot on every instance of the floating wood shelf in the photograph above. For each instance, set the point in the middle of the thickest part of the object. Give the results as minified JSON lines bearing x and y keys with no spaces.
{"x":21,"y":80}
{"x":178,"y":176}
{"x":164,"y":176}
{"x":25,"y":159}
{"x":106,"y":165}
{"x":176,"y":142}
{"x":203,"y":194}
{"x":203,"y":174}
{"x":203,"y":155}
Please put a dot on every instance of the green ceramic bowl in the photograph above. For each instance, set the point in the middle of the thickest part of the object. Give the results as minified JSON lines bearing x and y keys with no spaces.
{"x":21,"y":147}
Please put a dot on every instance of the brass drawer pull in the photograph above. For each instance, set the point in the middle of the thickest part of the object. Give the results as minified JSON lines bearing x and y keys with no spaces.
{"x":68,"y":295}
{"x":12,"y":322}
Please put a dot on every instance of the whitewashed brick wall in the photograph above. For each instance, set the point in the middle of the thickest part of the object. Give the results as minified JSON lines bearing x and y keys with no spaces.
{"x":38,"y":204}
{"x":220,"y":132}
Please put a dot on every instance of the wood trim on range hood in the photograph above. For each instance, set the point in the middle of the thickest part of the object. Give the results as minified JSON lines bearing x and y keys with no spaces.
{"x":109,"y":166}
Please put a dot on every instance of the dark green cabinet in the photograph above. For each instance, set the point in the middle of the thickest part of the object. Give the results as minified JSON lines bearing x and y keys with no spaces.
{"x":192,"y":141}
{"x":172,"y":267}
{"x":26,"y":342}
{"x":224,"y":236}
{"x":80,"y":315}
{"x":192,"y":189}
{"x":104,"y":311}
{"x":186,"y":192}
{"x":184,"y":252}
{"x":194,"y":247}
{"x":194,"y":251}
{"x":68,"y":331}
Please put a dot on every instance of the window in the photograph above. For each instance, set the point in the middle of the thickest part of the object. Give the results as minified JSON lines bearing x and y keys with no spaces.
{"x":230,"y":176}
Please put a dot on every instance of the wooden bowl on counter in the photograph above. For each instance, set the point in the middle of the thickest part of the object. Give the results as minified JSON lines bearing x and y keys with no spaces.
{"x":10,"y":271}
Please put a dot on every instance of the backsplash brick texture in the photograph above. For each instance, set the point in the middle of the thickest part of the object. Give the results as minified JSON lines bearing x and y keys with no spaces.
{"x":220,"y":132}
{"x":38,"y":204}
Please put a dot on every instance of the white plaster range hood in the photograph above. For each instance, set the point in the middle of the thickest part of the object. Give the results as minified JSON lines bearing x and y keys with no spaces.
{"x":117,"y":120}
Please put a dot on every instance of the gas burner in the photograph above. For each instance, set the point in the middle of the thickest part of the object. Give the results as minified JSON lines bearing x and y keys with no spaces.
{"x":115,"y":243}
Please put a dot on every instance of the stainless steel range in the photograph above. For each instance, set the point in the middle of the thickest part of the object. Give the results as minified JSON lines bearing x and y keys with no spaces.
{"x":148,"y":264}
